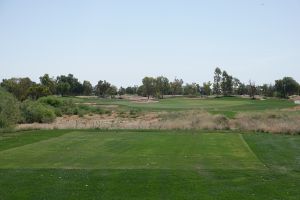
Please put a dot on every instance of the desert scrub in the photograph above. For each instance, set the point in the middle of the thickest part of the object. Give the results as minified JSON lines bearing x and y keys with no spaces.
{"x":52,"y":101}
{"x":98,"y":111}
{"x":122,"y":114}
{"x":81,"y":114}
{"x":192,"y":120}
{"x":68,"y":107}
{"x":65,"y":106}
{"x":279,"y":122}
{"x":134,"y":113}
{"x":108,"y":112}
{"x":34,"y":111}
{"x":9,"y":109}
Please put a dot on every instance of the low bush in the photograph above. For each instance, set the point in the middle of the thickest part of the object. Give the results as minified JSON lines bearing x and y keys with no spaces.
{"x":58,"y":112}
{"x":81,"y":114}
{"x":46,"y":109}
{"x":69,"y":108}
{"x":60,"y":106}
{"x":52,"y":101}
{"x":9,"y":109}
{"x":98,"y":111}
{"x":34,"y":111}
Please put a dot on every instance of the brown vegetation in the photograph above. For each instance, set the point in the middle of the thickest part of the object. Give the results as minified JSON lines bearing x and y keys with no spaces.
{"x":279,"y":122}
{"x":282,"y":122}
{"x":106,"y":121}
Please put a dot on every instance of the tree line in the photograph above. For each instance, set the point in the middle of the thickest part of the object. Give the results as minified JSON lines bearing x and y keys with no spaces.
{"x":223,"y":84}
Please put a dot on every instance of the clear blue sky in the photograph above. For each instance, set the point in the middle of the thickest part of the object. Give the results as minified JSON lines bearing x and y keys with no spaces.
{"x":123,"y":41}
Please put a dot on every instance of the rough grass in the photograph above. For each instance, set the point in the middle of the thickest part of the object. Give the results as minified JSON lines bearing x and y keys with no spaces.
{"x":148,"y":165}
{"x":192,"y":120}
{"x":215,"y":105}
{"x":269,"y":121}
{"x":273,"y":122}
{"x":271,"y":115}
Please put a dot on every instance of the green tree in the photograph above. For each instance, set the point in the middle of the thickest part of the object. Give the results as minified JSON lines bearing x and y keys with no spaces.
{"x":131,"y":90}
{"x":75,"y":87}
{"x":37,"y":90}
{"x":286,"y":87}
{"x":190,"y":89}
{"x":267,"y":90}
{"x":63,"y":88}
{"x":87,"y":88}
{"x":46,"y":81}
{"x":176,"y":87}
{"x":242,"y":89}
{"x":148,"y":86}
{"x":121,"y":91}
{"x":102,"y":88}
{"x":18,"y":87}
{"x":207,"y":88}
{"x":112,"y":91}
{"x":235,"y":83}
{"x":141,"y":91}
{"x":252,"y":89}
{"x":217,"y":81}
{"x":226,"y":84}
{"x":162,"y":86}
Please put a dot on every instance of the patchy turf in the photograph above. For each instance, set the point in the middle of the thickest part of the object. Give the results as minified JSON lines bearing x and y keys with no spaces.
{"x":228,"y":106}
{"x":148,"y":165}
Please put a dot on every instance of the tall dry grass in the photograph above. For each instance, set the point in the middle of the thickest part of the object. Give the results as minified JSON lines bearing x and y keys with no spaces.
{"x":274,"y":122}
{"x":191,"y":120}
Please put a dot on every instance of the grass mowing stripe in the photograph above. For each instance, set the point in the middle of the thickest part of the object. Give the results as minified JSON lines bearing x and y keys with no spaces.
{"x":17,"y":139}
{"x":42,"y":140}
{"x":279,"y":152}
{"x":133,"y":150}
{"x":146,"y":184}
{"x":252,"y":152}
{"x":151,"y":165}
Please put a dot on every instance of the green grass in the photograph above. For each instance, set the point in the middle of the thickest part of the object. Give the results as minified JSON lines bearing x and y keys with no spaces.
{"x":228,"y":106}
{"x":98,"y":164}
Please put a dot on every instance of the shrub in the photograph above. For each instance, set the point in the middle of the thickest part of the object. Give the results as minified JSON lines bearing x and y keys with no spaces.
{"x":98,"y":111}
{"x":9,"y":109}
{"x":108,"y":112}
{"x":34,"y":111}
{"x":81,"y":114}
{"x":57,"y":112}
{"x":67,"y":107}
{"x":52,"y":101}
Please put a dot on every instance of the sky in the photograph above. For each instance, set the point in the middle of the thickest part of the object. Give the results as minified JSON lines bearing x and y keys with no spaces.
{"x":123,"y":41}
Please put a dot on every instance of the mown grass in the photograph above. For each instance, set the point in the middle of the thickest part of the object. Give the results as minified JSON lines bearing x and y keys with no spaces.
{"x":229,"y":106}
{"x":115,"y":164}
{"x":14,"y":139}
{"x":278,"y":152}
